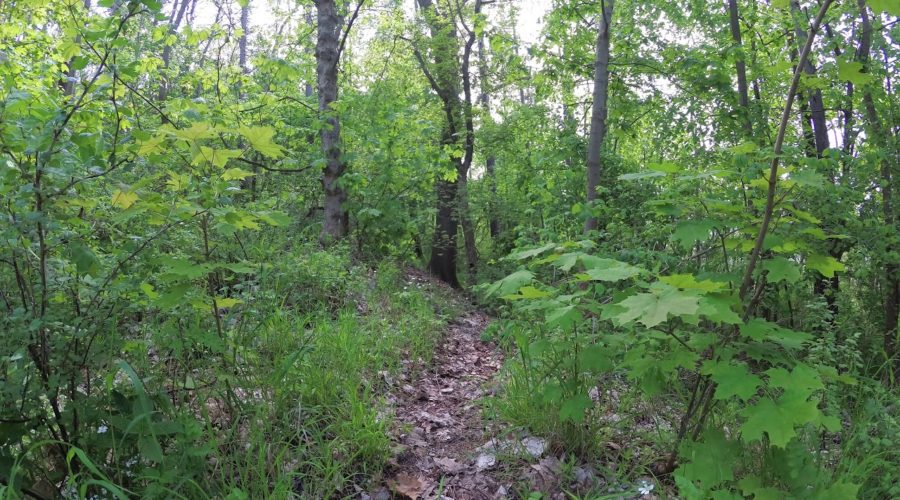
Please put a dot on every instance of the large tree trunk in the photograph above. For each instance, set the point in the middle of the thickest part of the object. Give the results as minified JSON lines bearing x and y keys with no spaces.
{"x":443,"y":249}
{"x":444,"y":78}
{"x":330,"y":23}
{"x":741,"y":69}
{"x":599,"y":111}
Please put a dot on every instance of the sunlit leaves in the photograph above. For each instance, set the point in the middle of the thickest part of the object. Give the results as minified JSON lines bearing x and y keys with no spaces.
{"x":215,"y":157}
{"x":236,"y":174}
{"x":197,"y":131}
{"x":824,"y":264}
{"x":655,"y":307}
{"x":226,"y":302}
{"x":260,"y":139}
{"x":527,"y":292}
{"x":123,"y":199}
{"x":641,"y":175}
{"x":151,"y":146}
{"x":852,"y":71}
{"x":689,"y":282}
{"x":599,"y":269}
{"x":891,"y":7}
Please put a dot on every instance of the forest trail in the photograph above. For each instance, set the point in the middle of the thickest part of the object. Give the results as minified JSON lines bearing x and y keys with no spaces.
{"x":440,"y":425}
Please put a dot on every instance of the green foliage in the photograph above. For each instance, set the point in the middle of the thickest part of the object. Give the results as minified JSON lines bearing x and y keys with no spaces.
{"x":171,"y":326}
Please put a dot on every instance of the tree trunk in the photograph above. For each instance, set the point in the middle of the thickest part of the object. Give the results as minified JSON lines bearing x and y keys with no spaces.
{"x":489,"y":164}
{"x":330,"y":23}
{"x":444,"y":79}
{"x":245,"y":30}
{"x":598,"y":113}
{"x":67,"y":84}
{"x":741,"y":68}
{"x":178,"y":10}
{"x":883,"y":137}
{"x":816,"y":105}
{"x":817,"y":137}
{"x":443,"y":249}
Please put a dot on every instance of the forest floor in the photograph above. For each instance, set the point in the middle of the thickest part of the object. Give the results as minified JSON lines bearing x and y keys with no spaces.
{"x":441,"y":428}
{"x":439,"y":425}
{"x":448,"y":447}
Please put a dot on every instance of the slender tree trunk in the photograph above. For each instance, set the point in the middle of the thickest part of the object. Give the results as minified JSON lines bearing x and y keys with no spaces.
{"x":327,"y":53}
{"x":245,"y":31}
{"x":741,"y":69}
{"x":67,"y":84}
{"x":813,"y":111}
{"x":884,"y":138}
{"x":816,"y":104}
{"x":178,"y":10}
{"x":308,"y":89}
{"x":599,"y":111}
{"x":489,"y":164}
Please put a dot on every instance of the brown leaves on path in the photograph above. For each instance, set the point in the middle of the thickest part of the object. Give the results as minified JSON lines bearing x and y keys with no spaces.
{"x":440,"y":423}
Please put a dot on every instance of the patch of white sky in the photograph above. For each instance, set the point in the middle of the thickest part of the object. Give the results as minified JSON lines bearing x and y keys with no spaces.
{"x":268,"y":15}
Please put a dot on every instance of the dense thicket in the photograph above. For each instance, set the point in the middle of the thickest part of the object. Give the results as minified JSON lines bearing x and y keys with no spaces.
{"x":203,"y":207}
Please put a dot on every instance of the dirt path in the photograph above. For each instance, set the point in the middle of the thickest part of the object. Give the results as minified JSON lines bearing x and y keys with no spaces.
{"x":441,"y":427}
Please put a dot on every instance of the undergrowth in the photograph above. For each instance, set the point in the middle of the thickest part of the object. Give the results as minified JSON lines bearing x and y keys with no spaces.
{"x":286,"y":402}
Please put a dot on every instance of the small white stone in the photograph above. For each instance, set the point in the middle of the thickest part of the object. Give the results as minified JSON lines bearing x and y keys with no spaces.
{"x":485,"y":461}
{"x":535,"y":446}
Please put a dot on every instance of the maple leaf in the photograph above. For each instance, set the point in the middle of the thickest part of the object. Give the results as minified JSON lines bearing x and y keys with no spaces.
{"x":710,"y":461}
{"x":778,"y":418}
{"x":236,"y":173}
{"x":261,"y":140}
{"x":826,"y":265}
{"x":124,"y":199}
{"x":732,"y":379}
{"x":217,"y":157}
{"x":781,"y":269}
{"x":653,"y":308}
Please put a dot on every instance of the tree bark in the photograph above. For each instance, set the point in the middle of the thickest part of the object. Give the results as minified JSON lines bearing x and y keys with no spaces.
{"x":490,"y":162}
{"x":816,"y":104}
{"x":444,"y":79}
{"x":883,"y":137}
{"x":336,"y":222}
{"x":741,"y":69}
{"x":178,"y":10}
{"x":599,"y":111}
{"x":67,"y":84}
{"x":245,"y":30}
